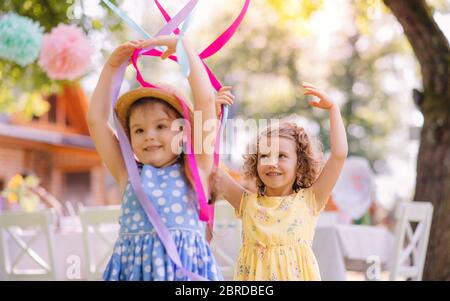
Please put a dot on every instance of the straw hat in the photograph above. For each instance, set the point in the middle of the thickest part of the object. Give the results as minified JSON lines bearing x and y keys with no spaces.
{"x":165,"y":93}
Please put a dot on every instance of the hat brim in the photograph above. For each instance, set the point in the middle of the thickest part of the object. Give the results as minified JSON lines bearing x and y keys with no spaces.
{"x":125,"y":101}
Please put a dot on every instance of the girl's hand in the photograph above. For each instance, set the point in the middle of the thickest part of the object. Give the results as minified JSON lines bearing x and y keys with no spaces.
{"x":215,"y":179}
{"x":223,"y":97}
{"x":123,"y":52}
{"x":224,"y":187}
{"x":324,"y":101}
{"x":168,"y":41}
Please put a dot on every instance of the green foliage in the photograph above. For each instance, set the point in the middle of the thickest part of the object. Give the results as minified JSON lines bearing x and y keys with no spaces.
{"x":295,"y":9}
{"x":295,"y":14}
{"x":266,"y":61}
{"x":49,"y":13}
{"x":261,"y":64}
{"x":369,"y":113}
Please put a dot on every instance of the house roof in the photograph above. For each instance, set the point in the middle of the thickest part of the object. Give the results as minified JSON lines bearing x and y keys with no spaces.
{"x":75,"y":106}
{"x":45,"y":136}
{"x":71,"y":107}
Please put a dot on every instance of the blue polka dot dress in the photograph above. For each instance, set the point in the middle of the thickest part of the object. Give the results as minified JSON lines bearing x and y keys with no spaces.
{"x":138,"y":253}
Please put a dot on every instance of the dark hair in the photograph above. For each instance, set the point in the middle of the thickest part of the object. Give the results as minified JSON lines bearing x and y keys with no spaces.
{"x":170,"y":110}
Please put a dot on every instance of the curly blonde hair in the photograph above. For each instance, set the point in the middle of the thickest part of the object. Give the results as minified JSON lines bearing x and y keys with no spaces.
{"x":309,"y":156}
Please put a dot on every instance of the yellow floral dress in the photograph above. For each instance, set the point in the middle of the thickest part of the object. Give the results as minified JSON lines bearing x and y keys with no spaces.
{"x":277,"y":235}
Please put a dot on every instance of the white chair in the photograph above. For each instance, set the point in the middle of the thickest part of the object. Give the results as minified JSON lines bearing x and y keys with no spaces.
{"x":93,"y":220}
{"x":409,"y":257}
{"x":227,"y":238}
{"x":18,"y":228}
{"x":70,"y":209}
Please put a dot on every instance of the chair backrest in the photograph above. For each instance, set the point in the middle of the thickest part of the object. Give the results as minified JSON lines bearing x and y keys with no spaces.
{"x":93,"y":220}
{"x":411,"y":244}
{"x":18,"y":232}
{"x":70,"y":209}
{"x":226,"y":239}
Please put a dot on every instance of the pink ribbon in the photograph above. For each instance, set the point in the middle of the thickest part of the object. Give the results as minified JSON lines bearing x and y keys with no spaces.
{"x":206,"y":211}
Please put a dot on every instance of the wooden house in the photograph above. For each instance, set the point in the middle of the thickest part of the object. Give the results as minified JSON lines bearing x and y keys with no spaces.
{"x":57,"y":148}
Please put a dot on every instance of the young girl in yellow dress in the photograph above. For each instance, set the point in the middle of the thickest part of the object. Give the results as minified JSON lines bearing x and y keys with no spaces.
{"x":280,"y":218}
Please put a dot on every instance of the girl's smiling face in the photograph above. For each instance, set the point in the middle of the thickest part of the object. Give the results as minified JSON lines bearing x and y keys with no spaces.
{"x":153,"y":140}
{"x":277,"y":164}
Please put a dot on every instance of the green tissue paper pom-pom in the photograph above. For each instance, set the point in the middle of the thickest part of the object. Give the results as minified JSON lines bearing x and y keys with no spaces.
{"x":20,"y":39}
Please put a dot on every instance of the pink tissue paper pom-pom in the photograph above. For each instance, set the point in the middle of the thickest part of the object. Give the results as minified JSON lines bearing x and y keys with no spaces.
{"x":65,"y":53}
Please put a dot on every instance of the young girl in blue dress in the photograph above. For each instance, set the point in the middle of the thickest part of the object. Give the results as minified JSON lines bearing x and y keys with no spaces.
{"x":148,"y":116}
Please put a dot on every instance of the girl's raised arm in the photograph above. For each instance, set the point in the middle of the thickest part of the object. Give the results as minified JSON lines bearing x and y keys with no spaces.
{"x":222,"y":184}
{"x":339,"y":147}
{"x":102,"y":134}
{"x":204,"y":102}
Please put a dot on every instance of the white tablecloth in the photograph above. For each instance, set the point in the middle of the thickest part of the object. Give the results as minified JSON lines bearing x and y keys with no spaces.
{"x":341,"y":247}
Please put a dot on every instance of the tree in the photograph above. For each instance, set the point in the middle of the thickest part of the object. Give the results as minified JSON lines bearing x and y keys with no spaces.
{"x":433,"y":161}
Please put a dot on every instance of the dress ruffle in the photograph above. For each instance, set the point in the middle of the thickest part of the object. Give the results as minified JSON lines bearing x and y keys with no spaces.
{"x":142,"y":257}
